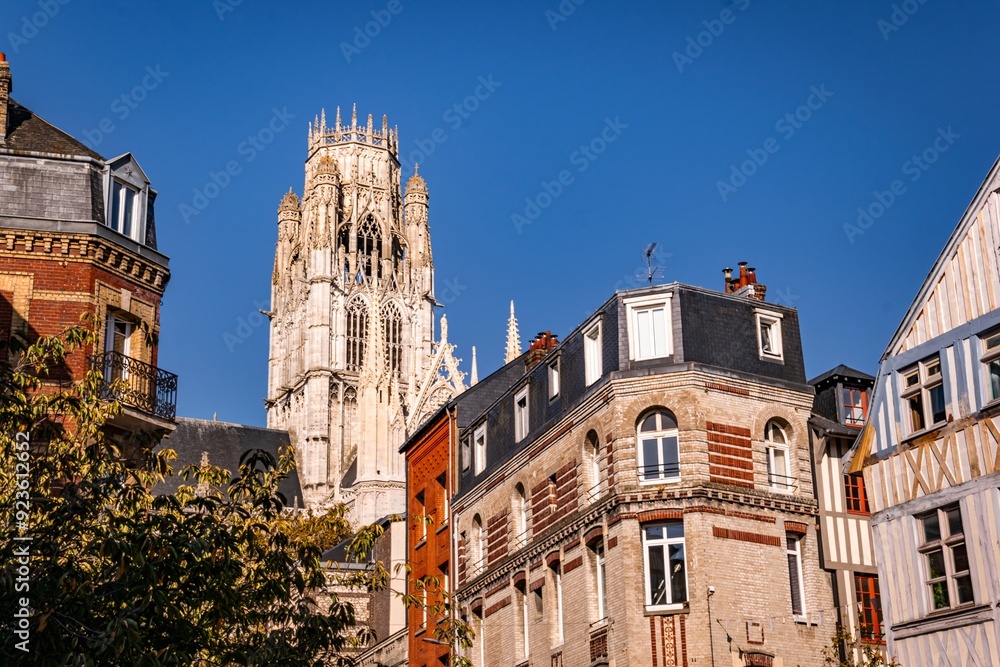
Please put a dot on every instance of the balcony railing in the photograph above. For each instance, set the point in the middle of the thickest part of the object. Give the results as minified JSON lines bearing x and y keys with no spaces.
{"x":781,"y":482}
{"x":137,"y":385}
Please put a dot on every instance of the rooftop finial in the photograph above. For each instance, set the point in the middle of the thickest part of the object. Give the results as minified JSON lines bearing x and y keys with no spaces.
{"x":338,"y":119}
{"x":385,"y":124}
{"x":322,"y":121}
{"x":474,"y":378}
{"x":513,"y":337}
{"x":354,"y":115}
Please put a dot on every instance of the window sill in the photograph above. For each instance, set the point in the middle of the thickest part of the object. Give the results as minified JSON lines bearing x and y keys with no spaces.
{"x":667,"y":609}
{"x":441,"y":528}
{"x":421,"y":544}
{"x":599,"y":625}
{"x":776,"y":358}
{"x":944,"y":619}
{"x":858,"y":513}
{"x":924,"y":432}
{"x":801,"y":620}
{"x":778,"y":489}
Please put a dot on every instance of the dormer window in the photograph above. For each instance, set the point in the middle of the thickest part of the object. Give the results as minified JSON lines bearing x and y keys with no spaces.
{"x":128,"y":197}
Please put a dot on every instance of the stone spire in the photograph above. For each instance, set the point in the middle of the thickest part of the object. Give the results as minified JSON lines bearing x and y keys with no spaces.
{"x":513,"y":338}
{"x":474,"y":378}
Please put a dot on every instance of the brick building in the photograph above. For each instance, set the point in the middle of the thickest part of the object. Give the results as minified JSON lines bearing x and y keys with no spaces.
{"x":641,"y":493}
{"x":78,"y":235}
{"x":846,"y":547}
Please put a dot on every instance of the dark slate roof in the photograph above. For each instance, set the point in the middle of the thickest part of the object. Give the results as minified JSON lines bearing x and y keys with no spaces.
{"x":338,"y":554}
{"x":832,"y":427}
{"x":842,"y":371}
{"x":225,"y":444}
{"x":28,"y":132}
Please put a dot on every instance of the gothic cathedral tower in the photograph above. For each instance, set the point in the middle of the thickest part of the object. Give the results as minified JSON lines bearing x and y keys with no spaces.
{"x":353,"y":362}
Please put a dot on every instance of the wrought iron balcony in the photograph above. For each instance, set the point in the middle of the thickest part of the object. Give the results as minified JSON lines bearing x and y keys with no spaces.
{"x":137,"y":385}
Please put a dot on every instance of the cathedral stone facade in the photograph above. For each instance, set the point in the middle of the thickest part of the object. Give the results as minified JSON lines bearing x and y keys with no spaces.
{"x":354,"y":365}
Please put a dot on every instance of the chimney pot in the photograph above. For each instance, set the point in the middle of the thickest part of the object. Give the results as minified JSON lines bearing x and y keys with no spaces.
{"x":3,"y":57}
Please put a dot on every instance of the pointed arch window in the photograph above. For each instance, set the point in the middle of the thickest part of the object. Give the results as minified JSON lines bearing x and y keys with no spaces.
{"x":350,"y":425}
{"x":357,"y":331}
{"x":369,"y":246}
{"x":392,"y":330}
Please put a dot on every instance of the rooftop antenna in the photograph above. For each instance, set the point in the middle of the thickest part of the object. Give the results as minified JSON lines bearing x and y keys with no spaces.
{"x":651,"y":271}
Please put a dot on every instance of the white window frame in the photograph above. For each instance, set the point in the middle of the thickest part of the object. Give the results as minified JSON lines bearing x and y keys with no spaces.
{"x":554,"y":387}
{"x":593,"y":353}
{"x":990,"y":354}
{"x":525,"y":620}
{"x":659,"y":435}
{"x":479,"y":447}
{"x":780,"y":481}
{"x":520,"y":510}
{"x":466,"y":452}
{"x":796,"y":551}
{"x":634,"y":308}
{"x":772,"y":321}
{"x":664,"y":542}
{"x":522,"y":423}
{"x":925,"y":381}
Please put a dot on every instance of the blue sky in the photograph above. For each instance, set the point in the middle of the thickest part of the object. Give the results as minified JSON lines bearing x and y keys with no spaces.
{"x":648,"y":111}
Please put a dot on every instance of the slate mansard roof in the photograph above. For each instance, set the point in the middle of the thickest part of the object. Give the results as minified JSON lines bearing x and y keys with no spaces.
{"x":28,"y":132}
{"x":225,"y":444}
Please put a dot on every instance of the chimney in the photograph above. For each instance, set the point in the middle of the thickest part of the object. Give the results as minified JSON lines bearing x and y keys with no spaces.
{"x":6,"y":85}
{"x":543,"y":343}
{"x":745,"y":285}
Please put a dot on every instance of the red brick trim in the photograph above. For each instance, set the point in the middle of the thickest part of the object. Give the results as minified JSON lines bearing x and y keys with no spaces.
{"x":745,"y":536}
{"x":476,"y":606}
{"x":796,"y":527}
{"x":659,"y":515}
{"x":723,"y":428}
{"x":751,"y":516}
{"x":704,"y":509}
{"x":573,"y":564}
{"x":519,"y":578}
{"x":612,"y":542}
{"x":552,"y":557}
{"x":536,"y":584}
{"x":534,"y":566}
{"x":494,"y":608}
{"x":592,"y":535}
{"x":727,"y":388}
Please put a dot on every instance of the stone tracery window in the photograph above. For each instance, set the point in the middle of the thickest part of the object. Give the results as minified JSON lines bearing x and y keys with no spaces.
{"x":369,"y":246}
{"x":357,"y":332}
{"x":392,"y":329}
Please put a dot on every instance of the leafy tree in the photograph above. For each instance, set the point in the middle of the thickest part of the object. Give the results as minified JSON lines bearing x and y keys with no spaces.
{"x":214,"y":574}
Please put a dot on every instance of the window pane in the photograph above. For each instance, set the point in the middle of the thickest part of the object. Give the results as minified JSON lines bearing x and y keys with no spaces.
{"x":932,"y":529}
{"x":654,"y":532}
{"x":934,"y":368}
{"x":650,"y":462}
{"x":916,"y":405}
{"x":954,"y":521}
{"x":649,"y":423}
{"x":659,"y":332}
{"x":939,"y":594}
{"x":127,"y":213}
{"x":644,"y":327}
{"x":937,"y":404}
{"x":657,"y":576}
{"x":994,"y":370}
{"x":675,"y":531}
{"x":793,"y":580}
{"x":964,"y":586}
{"x":912,"y":379}
{"x":765,"y":337}
{"x":935,"y":563}
{"x":678,"y":578}
{"x":780,"y":467}
{"x":671,"y":462}
{"x":993,"y":341}
{"x":960,"y":558}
